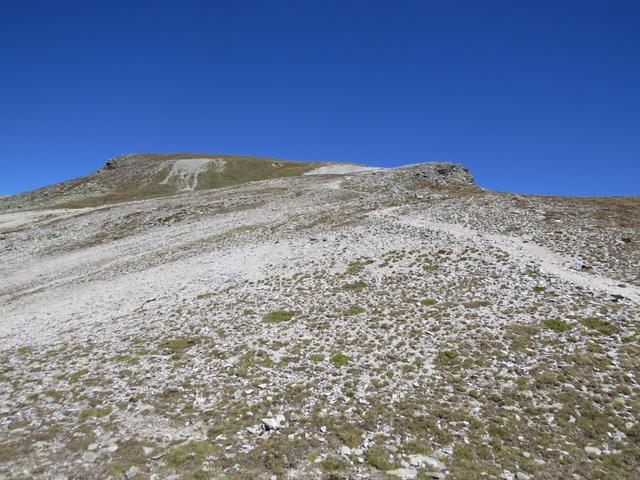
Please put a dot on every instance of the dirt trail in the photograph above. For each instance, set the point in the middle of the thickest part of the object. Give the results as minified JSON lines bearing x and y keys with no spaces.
{"x":549,"y":262}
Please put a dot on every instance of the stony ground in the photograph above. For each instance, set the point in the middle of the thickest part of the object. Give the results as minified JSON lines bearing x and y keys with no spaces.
{"x":352,"y":326}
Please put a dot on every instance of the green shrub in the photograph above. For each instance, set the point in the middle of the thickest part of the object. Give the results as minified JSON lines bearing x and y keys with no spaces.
{"x":339,"y":359}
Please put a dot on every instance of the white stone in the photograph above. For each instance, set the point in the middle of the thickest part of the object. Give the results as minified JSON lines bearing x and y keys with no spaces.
{"x":404,"y":473}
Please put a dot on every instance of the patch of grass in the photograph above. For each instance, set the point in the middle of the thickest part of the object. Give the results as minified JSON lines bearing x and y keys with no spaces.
{"x":125,"y":359}
{"x":129,"y":453}
{"x":447,"y":357}
{"x":601,"y":326}
{"x":355,"y":286}
{"x":350,"y":435}
{"x":428,"y":302}
{"x":477,"y":303}
{"x":180,"y":344}
{"x":557,"y":325}
{"x":75,"y":376}
{"x":339,"y":359}
{"x":538,"y":289}
{"x":354,"y":267}
{"x":316,"y":357}
{"x":354,"y":310}
{"x":333,"y":463}
{"x":522,"y":336}
{"x":429,"y":267}
{"x":280,"y":316}
{"x":379,"y":458}
{"x":193,"y":453}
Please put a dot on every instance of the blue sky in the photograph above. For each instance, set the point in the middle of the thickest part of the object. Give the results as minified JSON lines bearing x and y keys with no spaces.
{"x":540,"y":97}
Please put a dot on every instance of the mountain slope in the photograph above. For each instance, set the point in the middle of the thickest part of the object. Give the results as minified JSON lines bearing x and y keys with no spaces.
{"x":376,"y":324}
{"x":152,"y":175}
{"x":149,"y":175}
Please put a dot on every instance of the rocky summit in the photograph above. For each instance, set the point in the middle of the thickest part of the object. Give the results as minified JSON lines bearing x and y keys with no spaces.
{"x":198,"y":316}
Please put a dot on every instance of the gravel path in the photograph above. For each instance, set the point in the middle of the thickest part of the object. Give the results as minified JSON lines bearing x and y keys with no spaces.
{"x":549,"y":262}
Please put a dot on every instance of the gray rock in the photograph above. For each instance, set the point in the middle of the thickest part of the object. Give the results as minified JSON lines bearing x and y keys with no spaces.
{"x":578,"y":265}
{"x":593,"y":451}
{"x":275,"y":423}
{"x":436,"y":474}
{"x":404,"y":473}
{"x":132,"y":472}
{"x":110,"y":448}
{"x":426,"y":461}
{"x":294,"y":417}
{"x":255,"y":430}
{"x":90,"y":457}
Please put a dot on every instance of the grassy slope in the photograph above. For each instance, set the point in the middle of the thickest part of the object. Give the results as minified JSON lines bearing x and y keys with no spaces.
{"x":139,"y":177}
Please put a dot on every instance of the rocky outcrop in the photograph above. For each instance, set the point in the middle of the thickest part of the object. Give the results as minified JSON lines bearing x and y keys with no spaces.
{"x":440,"y":173}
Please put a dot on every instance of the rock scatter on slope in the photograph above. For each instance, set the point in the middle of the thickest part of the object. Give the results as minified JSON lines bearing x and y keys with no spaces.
{"x":378,"y":324}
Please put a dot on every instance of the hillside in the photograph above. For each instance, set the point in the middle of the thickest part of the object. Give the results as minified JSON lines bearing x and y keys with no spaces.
{"x":321,"y":321}
{"x":150,"y":175}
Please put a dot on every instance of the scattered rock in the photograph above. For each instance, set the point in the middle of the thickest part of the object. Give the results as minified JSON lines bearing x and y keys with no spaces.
{"x":426,"y":461}
{"x":593,"y":451}
{"x":132,"y":472}
{"x":507,"y":475}
{"x":90,"y":457}
{"x":404,"y":473}
{"x":275,"y":423}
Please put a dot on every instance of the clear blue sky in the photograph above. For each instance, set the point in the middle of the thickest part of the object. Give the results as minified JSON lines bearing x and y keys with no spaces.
{"x":534,"y":96}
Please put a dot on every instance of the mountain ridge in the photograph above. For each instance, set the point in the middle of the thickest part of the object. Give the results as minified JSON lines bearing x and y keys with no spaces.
{"x":140,"y":176}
